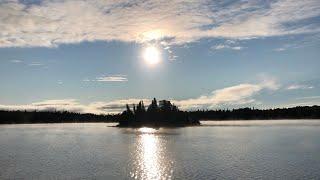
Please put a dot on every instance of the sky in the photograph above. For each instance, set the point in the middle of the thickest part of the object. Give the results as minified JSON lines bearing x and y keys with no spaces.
{"x":93,"y":56}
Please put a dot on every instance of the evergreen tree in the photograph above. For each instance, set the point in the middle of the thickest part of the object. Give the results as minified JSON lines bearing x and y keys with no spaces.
{"x":128,"y":109}
{"x":153,"y":106}
{"x":134,"y":109}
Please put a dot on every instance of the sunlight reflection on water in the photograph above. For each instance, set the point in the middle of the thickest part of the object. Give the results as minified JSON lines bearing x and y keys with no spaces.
{"x":151,"y":161}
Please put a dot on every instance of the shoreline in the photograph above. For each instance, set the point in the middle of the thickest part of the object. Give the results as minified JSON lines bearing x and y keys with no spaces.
{"x":206,"y":120}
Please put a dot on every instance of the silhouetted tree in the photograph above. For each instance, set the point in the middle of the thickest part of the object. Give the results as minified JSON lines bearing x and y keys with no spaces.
{"x":153,"y":107}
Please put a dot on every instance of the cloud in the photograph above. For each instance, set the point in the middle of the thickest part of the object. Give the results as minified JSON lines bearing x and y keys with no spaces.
{"x":49,"y":105}
{"x":228,"y":44}
{"x":115,"y":106}
{"x":52,"y":22}
{"x":173,"y":57}
{"x":35,"y":64}
{"x":280,"y":49}
{"x":108,"y":78}
{"x":299,"y":86}
{"x":235,"y":95}
{"x":221,"y":46}
{"x":86,"y":80}
{"x":113,"y":78}
{"x":309,"y":97}
{"x":16,"y":61}
{"x":73,"y":105}
{"x":304,"y":101}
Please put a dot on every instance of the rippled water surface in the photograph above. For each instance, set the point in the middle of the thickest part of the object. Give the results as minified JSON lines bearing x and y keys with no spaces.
{"x":217,"y":150}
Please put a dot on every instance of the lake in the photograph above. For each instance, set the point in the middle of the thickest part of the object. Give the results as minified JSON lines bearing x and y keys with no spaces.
{"x":281,"y":149}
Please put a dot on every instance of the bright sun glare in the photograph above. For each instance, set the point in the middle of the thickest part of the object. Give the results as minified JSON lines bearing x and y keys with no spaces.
{"x":151,"y":55}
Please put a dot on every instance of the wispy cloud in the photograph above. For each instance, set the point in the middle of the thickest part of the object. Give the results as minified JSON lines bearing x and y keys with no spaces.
{"x":115,"y":106}
{"x":35,"y":64}
{"x":228,"y":44}
{"x":309,"y":97}
{"x":53,"y":22}
{"x":222,"y":46}
{"x":235,"y":95}
{"x":73,"y":105}
{"x":26,"y":63}
{"x":16,"y":61}
{"x":303,"y":101}
{"x":112,"y":78}
{"x":299,"y":86}
{"x":108,"y":78}
{"x":86,"y":80}
{"x":49,"y":105}
{"x":280,"y":49}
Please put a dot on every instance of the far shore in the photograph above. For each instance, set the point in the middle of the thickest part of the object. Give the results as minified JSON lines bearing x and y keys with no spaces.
{"x":203,"y":120}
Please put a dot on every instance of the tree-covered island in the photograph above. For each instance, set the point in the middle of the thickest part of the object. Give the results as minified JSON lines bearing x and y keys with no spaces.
{"x":163,"y":114}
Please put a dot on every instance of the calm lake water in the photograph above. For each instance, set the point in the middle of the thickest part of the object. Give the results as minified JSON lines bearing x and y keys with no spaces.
{"x":217,"y":150}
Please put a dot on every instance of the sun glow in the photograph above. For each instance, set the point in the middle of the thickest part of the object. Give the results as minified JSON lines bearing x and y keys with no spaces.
{"x":152,"y":35}
{"x":151,"y":55}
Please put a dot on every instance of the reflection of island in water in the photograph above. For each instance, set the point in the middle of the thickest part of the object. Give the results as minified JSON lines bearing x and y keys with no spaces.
{"x":163,"y":115}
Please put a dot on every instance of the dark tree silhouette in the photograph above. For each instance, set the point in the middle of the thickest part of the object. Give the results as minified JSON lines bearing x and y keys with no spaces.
{"x":153,"y":107}
{"x":164,"y":114}
{"x":15,"y":117}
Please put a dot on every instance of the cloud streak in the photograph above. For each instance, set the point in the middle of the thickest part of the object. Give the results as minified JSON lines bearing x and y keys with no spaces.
{"x":73,"y":105}
{"x":113,"y":78}
{"x":241,"y":94}
{"x":35,"y":64}
{"x":53,"y":22}
{"x":16,"y":61}
{"x":299,"y":86}
{"x":221,"y":46}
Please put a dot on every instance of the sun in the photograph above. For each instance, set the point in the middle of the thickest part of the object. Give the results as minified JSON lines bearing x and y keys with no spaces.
{"x":151,"y":55}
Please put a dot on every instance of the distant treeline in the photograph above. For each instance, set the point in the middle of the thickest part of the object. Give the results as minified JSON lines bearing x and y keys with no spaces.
{"x":300,"y":112}
{"x":25,"y":117}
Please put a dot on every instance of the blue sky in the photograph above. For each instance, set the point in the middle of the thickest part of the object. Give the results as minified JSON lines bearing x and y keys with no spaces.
{"x":88,"y":56}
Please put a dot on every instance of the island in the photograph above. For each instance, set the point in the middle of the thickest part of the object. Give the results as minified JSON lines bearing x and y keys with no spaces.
{"x":164,"y":114}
